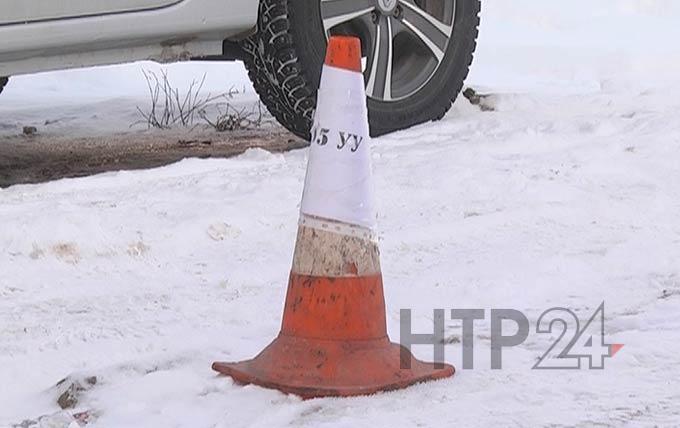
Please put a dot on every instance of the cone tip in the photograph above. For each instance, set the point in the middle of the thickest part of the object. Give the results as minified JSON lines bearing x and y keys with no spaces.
{"x":344,"y":52}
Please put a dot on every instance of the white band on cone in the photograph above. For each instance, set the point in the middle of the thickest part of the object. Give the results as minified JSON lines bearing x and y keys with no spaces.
{"x":337,"y":227}
{"x":339,"y":185}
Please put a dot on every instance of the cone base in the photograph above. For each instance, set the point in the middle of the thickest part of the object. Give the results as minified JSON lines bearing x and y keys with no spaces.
{"x":314,"y":368}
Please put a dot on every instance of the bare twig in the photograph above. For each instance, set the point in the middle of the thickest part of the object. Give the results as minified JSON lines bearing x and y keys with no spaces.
{"x":233,"y":119}
{"x":170,"y":108}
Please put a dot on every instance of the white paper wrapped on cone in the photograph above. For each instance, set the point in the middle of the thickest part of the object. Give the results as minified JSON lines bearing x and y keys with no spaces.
{"x":339,"y":183}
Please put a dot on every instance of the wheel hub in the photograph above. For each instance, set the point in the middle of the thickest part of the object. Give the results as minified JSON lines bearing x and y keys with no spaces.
{"x":386,"y":7}
{"x":404,"y":41}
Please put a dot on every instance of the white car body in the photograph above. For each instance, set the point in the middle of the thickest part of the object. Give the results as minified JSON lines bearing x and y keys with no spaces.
{"x":41,"y":35}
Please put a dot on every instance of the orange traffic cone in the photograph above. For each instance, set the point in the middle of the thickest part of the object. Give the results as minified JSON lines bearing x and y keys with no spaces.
{"x":333,"y":341}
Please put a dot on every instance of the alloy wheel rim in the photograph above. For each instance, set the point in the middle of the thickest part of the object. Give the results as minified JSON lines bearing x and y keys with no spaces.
{"x":404,"y":41}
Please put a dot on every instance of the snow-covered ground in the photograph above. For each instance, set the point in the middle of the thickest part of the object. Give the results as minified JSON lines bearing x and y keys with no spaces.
{"x":567,"y":195}
{"x":105,"y":100}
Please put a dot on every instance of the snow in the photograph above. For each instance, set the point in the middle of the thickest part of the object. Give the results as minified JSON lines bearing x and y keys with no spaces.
{"x":566,"y":195}
{"x":104,"y":100}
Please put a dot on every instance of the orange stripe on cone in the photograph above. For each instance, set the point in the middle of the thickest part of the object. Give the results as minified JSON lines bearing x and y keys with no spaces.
{"x":331,"y":308}
{"x":344,"y":52}
{"x":333,"y":339}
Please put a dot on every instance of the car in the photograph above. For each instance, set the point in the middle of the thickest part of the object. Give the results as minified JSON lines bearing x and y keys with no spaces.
{"x":417,"y":53}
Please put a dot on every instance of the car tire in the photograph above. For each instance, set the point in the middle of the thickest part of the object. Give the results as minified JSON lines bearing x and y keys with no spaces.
{"x":3,"y":82}
{"x":285,"y":55}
